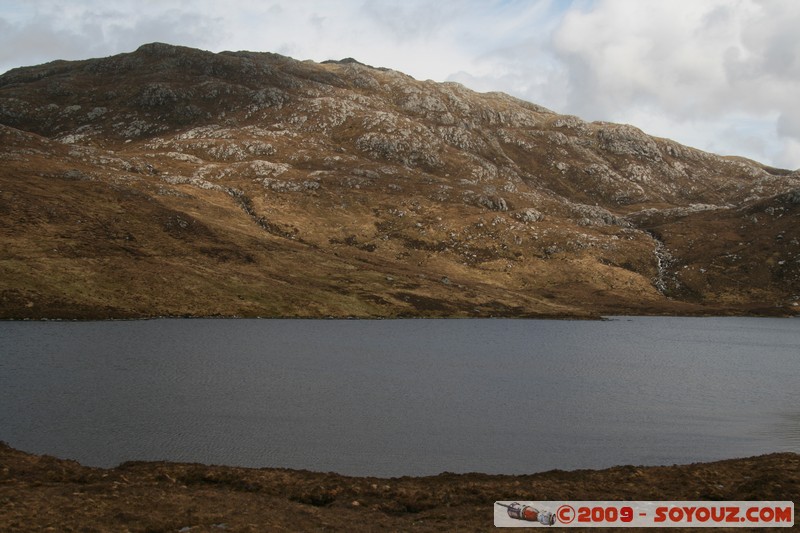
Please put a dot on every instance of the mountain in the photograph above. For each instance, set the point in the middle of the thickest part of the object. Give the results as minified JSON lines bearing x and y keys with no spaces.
{"x":173,"y":181}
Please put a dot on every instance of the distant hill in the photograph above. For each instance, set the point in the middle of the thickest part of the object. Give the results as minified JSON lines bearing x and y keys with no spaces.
{"x":173,"y":181}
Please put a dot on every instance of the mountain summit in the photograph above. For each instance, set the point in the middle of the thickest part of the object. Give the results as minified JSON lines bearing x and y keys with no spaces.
{"x":173,"y":181}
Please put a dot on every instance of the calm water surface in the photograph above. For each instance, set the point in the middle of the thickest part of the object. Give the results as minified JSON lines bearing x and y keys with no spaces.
{"x":402,"y":397}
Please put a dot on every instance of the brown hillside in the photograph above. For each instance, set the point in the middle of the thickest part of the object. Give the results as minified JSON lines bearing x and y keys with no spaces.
{"x":172,"y":181}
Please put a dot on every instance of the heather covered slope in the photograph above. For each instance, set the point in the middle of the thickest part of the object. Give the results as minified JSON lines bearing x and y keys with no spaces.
{"x":41,"y":492}
{"x":172,"y":181}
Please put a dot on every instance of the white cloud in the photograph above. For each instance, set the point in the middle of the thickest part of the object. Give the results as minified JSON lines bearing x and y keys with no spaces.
{"x":789,"y":154}
{"x":51,"y":30}
{"x":717,"y":62}
{"x":721,"y":75}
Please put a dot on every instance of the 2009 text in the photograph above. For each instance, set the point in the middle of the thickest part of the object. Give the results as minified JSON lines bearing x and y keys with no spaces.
{"x":646,"y":513}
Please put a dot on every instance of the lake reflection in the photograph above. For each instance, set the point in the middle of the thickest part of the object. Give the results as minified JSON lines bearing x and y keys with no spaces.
{"x":402,"y":397}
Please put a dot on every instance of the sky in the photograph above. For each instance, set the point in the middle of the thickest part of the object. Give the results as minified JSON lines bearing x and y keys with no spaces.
{"x":719,"y":75}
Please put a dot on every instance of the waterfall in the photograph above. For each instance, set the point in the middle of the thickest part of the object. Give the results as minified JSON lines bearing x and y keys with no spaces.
{"x":663,"y":261}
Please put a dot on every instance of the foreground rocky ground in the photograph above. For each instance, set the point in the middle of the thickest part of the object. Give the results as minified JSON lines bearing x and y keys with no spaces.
{"x":41,"y":493}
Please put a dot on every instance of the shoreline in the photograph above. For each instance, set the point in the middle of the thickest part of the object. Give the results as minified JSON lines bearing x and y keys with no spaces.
{"x":38,"y":492}
{"x":777,"y":313}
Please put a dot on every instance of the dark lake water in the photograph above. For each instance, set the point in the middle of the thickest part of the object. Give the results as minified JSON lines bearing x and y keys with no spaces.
{"x":403,"y":397}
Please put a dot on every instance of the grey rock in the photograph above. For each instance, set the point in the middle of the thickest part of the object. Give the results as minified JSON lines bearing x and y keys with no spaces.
{"x":626,"y":140}
{"x":494,"y":203}
{"x":529,"y":215}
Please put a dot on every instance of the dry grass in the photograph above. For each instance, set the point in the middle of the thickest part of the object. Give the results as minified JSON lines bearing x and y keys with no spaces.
{"x":40,"y":493}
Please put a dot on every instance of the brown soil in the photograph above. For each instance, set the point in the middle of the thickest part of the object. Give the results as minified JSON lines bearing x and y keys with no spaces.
{"x":42,"y":493}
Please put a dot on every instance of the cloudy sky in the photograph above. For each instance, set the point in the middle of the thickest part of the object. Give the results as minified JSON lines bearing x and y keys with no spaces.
{"x":721,"y":75}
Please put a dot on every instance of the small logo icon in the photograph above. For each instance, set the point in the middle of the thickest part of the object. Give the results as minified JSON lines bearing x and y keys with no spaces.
{"x":529,"y":514}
